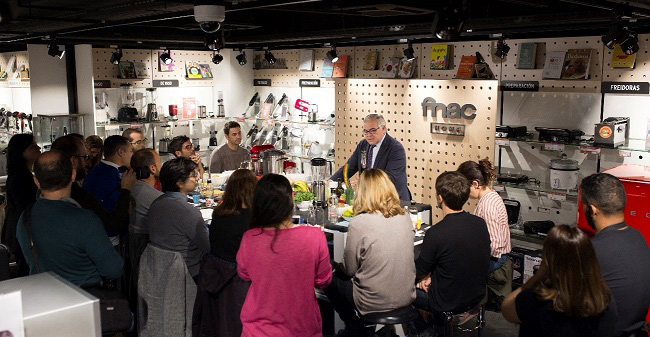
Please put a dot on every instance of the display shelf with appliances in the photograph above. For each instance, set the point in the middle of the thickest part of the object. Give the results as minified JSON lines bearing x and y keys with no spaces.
{"x":540,"y":188}
{"x":535,"y":239}
{"x":587,"y":146}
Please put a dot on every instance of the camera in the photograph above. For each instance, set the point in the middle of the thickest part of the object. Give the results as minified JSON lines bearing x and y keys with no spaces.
{"x":209,"y":16}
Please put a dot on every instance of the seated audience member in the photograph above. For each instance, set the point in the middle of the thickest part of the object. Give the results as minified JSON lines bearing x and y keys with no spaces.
{"x":87,"y":256}
{"x":22,"y":152}
{"x":284,"y":263}
{"x":182,"y":147}
{"x":146,"y":165}
{"x":136,"y":138}
{"x":221,"y":292}
{"x":118,"y":219}
{"x":103,"y":180}
{"x":455,"y":254}
{"x":490,"y":208}
{"x":622,"y":252}
{"x":567,"y":296}
{"x":173,"y":223}
{"x":95,"y":147}
{"x":379,"y":247}
{"x":230,"y":155}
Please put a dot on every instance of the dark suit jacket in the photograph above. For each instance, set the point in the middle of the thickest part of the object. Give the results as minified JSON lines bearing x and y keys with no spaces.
{"x":391,"y":158}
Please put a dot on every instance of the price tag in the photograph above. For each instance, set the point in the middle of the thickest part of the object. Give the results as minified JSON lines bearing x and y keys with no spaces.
{"x":556,"y":196}
{"x":285,"y":123}
{"x":269,"y":122}
{"x":553,"y":147}
{"x":499,"y":188}
{"x":622,"y":153}
{"x":14,"y":82}
{"x":240,"y":119}
{"x":184,"y":123}
{"x":502,"y":142}
{"x":135,"y":125}
{"x":589,"y":149}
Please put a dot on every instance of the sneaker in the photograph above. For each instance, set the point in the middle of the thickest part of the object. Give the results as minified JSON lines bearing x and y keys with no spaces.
{"x":466,"y":317}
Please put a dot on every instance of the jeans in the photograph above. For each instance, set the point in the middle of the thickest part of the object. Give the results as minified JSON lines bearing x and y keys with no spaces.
{"x":341,"y":296}
{"x":422,"y":302}
{"x":495,"y":264}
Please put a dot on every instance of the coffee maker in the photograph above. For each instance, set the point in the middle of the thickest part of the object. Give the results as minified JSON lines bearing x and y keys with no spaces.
{"x":128,"y":112}
{"x":319,"y":181}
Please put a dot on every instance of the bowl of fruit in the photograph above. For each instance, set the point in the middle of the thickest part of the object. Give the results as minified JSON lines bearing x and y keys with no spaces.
{"x":348,"y":215}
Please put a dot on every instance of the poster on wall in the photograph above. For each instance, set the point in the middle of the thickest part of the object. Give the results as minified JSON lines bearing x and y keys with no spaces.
{"x":189,"y":108}
{"x":11,"y":315}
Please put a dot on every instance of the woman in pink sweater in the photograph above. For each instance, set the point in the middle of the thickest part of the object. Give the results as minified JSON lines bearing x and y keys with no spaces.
{"x":284,"y":263}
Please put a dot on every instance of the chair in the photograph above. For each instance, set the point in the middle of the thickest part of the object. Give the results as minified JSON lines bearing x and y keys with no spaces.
{"x":450,"y":326}
{"x":394,"y":319}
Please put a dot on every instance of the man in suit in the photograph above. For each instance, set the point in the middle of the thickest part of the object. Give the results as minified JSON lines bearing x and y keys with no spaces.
{"x":379,"y":150}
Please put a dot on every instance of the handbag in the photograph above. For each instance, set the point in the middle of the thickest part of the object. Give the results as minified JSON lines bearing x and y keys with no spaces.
{"x":114,"y":311}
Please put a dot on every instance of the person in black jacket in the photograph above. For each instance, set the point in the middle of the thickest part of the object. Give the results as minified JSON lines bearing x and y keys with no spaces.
{"x":221,"y":293}
{"x":22,"y":152}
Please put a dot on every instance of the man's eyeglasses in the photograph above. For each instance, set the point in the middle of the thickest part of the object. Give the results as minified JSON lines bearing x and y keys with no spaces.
{"x":371,"y":131}
{"x":140,"y":142}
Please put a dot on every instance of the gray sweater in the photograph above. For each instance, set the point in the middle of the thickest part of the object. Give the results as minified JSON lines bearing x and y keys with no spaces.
{"x":379,"y":256}
{"x":175,"y":225}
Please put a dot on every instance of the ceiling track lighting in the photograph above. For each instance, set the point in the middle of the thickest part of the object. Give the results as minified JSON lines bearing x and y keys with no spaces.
{"x":214,"y":41}
{"x":241,"y":58}
{"x":268,"y":56}
{"x":53,"y":50}
{"x":502,"y":49}
{"x":217,"y":57}
{"x":331,"y":55}
{"x":166,"y":57}
{"x":409,"y":53}
{"x":617,"y":34}
{"x":448,"y":23}
{"x":116,"y":57}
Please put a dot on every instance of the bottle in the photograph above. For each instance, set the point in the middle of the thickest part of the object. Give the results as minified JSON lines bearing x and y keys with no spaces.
{"x":332,"y":215}
{"x":339,"y":189}
{"x":413,"y":212}
{"x":209,"y":194}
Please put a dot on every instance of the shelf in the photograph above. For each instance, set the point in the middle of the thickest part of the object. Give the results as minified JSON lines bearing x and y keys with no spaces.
{"x":632,"y":145}
{"x":293,"y":155}
{"x":222,"y":119}
{"x":545,"y":188}
{"x":518,"y":234}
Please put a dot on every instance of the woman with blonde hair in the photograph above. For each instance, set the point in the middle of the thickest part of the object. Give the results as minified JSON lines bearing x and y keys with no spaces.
{"x":378,"y":255}
{"x":567,"y":296}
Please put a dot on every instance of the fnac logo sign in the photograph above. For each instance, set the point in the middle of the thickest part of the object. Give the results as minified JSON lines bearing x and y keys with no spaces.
{"x":453,"y":110}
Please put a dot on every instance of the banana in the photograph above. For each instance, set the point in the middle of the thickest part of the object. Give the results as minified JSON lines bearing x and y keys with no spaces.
{"x":345,"y":175}
{"x":300,"y":186}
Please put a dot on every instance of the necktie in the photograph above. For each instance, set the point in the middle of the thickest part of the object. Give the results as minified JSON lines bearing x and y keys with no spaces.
{"x":369,"y":156}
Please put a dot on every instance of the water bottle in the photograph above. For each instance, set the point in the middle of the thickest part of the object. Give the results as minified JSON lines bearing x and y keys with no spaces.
{"x":332,"y":215}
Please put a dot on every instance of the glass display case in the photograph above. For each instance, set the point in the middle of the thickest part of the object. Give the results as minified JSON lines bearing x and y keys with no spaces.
{"x":50,"y":127}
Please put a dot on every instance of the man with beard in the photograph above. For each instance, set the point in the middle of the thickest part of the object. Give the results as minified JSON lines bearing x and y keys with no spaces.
{"x":622,"y":252}
{"x":114,"y":221}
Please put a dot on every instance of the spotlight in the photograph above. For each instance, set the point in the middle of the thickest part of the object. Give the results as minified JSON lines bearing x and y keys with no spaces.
{"x":217,"y":58}
{"x":409,"y":53}
{"x":615,"y":32}
{"x":166,"y":57}
{"x":332,"y":54}
{"x":241,"y":58}
{"x":502,"y":49}
{"x":117,"y":56}
{"x":53,"y":50}
{"x":631,"y":43}
{"x":268,"y":56}
{"x":214,"y":41}
{"x":448,"y":23}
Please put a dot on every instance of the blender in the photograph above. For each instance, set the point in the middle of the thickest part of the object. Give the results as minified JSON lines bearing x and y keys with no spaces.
{"x":152,"y":110}
{"x":319,"y":181}
{"x":128,"y":112}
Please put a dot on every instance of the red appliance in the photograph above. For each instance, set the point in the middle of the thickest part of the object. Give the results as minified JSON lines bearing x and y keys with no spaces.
{"x":255,"y":157}
{"x":636,"y":180}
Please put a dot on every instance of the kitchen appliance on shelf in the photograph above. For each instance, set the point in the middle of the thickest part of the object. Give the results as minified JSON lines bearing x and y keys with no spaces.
{"x":163,"y":143}
{"x":319,"y":176}
{"x":612,"y":132}
{"x":273,"y":161}
{"x":512,"y":178}
{"x":539,"y":227}
{"x":53,"y":126}
{"x":173,"y":111}
{"x":556,"y":135}
{"x":203,"y":111}
{"x":255,"y":101}
{"x":312,"y":115}
{"x":565,"y":173}
{"x":256,"y":160}
{"x":128,"y":112}
{"x":507,"y":131}
{"x":152,"y":108}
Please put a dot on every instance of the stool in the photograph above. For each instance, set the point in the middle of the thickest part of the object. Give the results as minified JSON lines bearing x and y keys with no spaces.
{"x":480,"y":321}
{"x":393,"y":319}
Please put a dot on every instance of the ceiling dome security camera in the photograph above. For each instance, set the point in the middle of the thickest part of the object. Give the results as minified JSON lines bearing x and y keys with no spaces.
{"x":209,"y":16}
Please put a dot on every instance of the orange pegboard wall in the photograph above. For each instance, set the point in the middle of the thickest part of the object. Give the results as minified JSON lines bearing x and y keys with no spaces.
{"x":384,"y":52}
{"x":22,"y":58}
{"x":290,"y":77}
{"x":400,"y":102}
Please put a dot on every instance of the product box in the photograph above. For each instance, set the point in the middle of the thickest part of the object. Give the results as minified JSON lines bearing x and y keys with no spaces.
{"x":531,"y":260}
{"x":517,"y":256}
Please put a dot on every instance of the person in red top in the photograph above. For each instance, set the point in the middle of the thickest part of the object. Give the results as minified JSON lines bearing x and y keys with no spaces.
{"x":490,"y":208}
{"x":283,"y":263}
